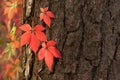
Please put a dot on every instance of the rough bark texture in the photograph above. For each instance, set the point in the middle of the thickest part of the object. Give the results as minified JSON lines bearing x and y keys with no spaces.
{"x":88,"y":36}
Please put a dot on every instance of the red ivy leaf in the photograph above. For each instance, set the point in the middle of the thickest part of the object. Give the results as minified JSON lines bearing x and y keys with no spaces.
{"x":50,"y":14}
{"x":41,"y":9}
{"x":41,"y":16}
{"x":45,"y":15}
{"x":49,"y":51}
{"x":34,"y":43}
{"x":25,"y":38}
{"x":44,"y":45}
{"x":25,"y":27}
{"x":47,"y":20}
{"x":51,"y":43}
{"x":55,"y":52}
{"x":41,"y":36}
{"x":49,"y":59}
{"x":39,"y":28}
{"x":44,"y":9}
{"x":32,"y":36}
{"x":41,"y":54}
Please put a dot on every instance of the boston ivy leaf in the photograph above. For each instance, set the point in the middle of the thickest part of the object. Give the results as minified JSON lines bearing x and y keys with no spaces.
{"x":41,"y":54}
{"x":25,"y":38}
{"x":49,"y":51}
{"x":50,"y":14}
{"x":47,"y":20}
{"x":25,"y":27}
{"x":45,"y":15}
{"x":55,"y":52}
{"x":49,"y":59}
{"x":34,"y":43}
{"x":32,"y":36}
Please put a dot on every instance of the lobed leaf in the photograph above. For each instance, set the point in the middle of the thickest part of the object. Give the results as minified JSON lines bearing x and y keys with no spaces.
{"x":41,"y":54}
{"x":51,"y":43}
{"x":25,"y":38}
{"x":49,"y":59}
{"x":55,"y":52}
{"x":25,"y":27}
{"x":39,"y":28}
{"x":50,"y":14}
{"x":34,"y":43}
{"x":47,"y":20}
{"x":41,"y":36}
{"x":42,"y":16}
{"x":44,"y":45}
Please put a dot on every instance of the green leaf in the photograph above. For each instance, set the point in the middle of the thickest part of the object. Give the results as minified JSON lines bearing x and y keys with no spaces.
{"x":9,"y":51}
{"x":13,"y":31}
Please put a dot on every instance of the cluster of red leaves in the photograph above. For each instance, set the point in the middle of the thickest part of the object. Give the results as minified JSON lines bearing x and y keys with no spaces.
{"x":49,"y":51}
{"x":34,"y":36}
{"x":45,"y":15}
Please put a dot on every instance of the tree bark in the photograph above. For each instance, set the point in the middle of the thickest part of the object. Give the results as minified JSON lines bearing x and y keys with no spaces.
{"x":87,"y":34}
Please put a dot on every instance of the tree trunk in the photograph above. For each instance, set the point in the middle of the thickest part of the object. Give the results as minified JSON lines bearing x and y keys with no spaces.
{"x":87,"y":34}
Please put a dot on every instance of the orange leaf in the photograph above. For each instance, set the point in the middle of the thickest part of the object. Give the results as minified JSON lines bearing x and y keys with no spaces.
{"x":17,"y":61}
{"x":15,"y":44}
{"x":6,"y":10}
{"x":12,"y":74}
{"x":11,"y":12}
{"x":10,"y":9}
{"x":11,"y":60}
{"x":8,"y":68}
